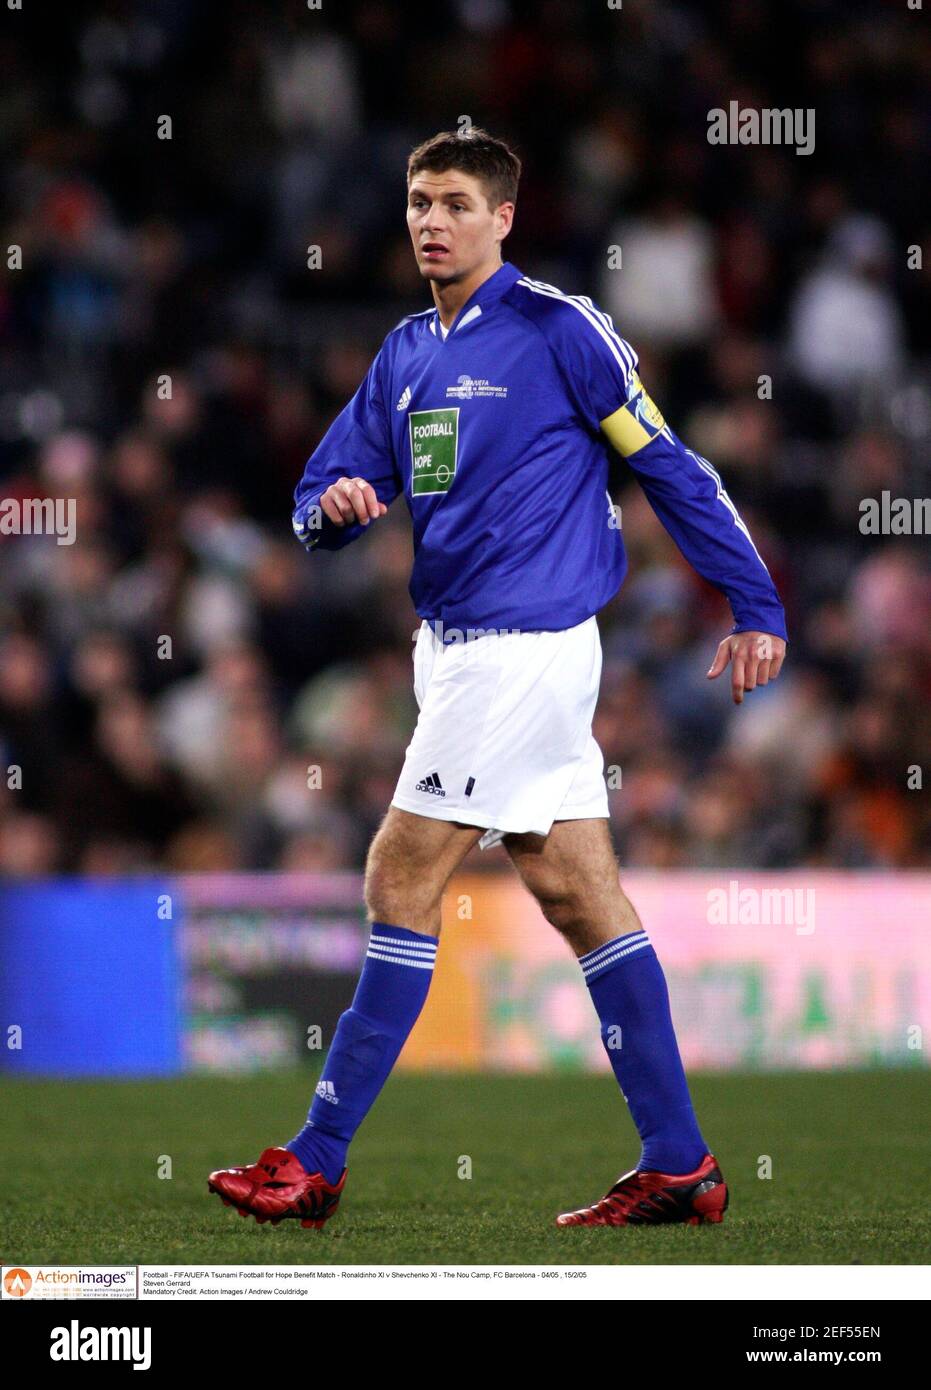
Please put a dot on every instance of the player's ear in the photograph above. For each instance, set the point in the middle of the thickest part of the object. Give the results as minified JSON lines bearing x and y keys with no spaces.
{"x":504,"y":212}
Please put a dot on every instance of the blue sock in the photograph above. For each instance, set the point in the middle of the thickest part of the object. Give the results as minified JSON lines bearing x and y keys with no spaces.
{"x":629,"y":991}
{"x":369,"y":1036}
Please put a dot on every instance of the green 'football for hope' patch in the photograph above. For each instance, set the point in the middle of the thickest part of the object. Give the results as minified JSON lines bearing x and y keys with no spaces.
{"x":434,"y":444}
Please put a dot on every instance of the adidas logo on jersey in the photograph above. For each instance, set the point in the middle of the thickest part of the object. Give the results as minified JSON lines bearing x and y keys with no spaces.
{"x":325,"y":1090}
{"x":431,"y":784}
{"x":405,"y":399}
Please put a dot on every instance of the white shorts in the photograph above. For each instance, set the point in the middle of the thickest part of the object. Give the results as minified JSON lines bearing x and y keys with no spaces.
{"x":504,"y":737}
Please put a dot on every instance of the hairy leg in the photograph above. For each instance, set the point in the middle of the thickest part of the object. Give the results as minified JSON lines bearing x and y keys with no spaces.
{"x":573,"y":873}
{"x":410,"y":861}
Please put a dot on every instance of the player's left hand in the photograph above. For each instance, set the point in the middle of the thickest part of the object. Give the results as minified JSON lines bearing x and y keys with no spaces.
{"x":756,"y":659}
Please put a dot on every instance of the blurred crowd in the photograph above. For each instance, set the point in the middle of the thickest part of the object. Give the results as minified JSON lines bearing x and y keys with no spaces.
{"x":184,"y":686}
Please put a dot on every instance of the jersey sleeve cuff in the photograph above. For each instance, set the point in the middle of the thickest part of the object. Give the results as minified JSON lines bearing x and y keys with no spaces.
{"x":315,"y":531}
{"x":771,"y":620}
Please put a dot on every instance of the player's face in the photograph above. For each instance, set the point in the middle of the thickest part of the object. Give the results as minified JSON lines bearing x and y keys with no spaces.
{"x":453,"y":230}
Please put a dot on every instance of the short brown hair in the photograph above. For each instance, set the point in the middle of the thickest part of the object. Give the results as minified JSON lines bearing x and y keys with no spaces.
{"x":471,"y":151}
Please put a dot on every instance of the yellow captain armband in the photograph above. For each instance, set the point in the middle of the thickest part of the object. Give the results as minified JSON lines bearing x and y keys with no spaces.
{"x":636,"y":423}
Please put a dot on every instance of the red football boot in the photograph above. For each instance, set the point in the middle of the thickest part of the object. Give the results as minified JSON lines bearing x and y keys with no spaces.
{"x":650,"y":1198}
{"x":276,"y":1188}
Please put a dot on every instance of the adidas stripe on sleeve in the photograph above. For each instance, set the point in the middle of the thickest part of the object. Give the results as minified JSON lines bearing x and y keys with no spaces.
{"x":689,"y":497}
{"x":685,"y":491}
{"x":598,"y":366}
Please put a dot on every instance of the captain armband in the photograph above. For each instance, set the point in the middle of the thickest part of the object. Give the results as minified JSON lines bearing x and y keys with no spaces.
{"x":636,"y":424}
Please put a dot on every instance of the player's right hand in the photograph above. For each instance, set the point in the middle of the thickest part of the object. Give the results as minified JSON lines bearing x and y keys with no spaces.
{"x":351,"y":500}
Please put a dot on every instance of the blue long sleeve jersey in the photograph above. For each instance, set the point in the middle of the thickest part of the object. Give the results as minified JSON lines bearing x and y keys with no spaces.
{"x":498,"y":436}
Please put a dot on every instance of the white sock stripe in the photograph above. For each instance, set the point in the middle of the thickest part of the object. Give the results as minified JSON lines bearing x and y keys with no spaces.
{"x":398,"y":960}
{"x":616,"y":955}
{"x":400,"y":956}
{"x":622,"y":357}
{"x":395,"y":943}
{"x":599,"y":951}
{"x":426,"y":943}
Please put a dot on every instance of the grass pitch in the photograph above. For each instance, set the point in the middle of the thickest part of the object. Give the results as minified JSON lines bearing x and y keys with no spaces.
{"x":81,"y":1164}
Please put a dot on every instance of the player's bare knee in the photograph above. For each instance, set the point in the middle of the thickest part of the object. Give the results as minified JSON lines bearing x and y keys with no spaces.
{"x":397,"y":891}
{"x":563,"y":909}
{"x":386,"y":890}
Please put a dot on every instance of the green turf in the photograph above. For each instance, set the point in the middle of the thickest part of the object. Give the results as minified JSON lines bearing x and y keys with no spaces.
{"x":850,"y":1160}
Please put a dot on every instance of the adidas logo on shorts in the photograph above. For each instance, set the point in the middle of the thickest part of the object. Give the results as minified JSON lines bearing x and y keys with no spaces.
{"x":431,"y":784}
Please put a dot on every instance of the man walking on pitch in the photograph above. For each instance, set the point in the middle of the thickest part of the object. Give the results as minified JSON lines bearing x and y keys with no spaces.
{"x":494,"y":413}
